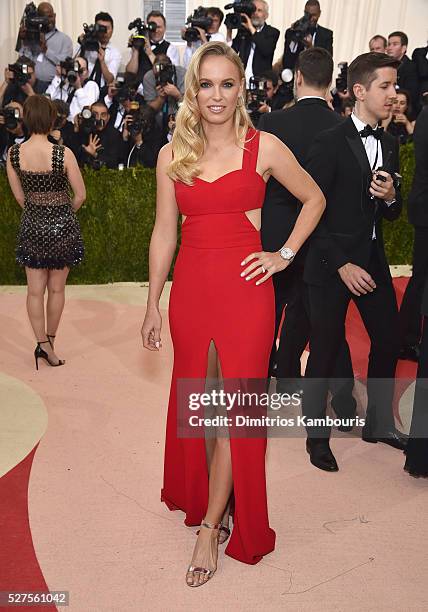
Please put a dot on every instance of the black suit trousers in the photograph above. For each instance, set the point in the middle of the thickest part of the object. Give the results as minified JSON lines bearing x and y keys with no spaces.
{"x":289,"y":291}
{"x":410,"y":310}
{"x":328,"y":307}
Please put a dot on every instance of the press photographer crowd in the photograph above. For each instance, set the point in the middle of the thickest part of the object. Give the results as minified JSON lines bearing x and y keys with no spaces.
{"x":117,"y":119}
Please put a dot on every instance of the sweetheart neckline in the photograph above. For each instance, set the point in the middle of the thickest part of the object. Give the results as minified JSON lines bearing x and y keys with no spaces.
{"x":227,"y":174}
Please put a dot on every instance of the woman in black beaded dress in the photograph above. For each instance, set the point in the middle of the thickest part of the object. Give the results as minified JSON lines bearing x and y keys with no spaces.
{"x":42,"y":176}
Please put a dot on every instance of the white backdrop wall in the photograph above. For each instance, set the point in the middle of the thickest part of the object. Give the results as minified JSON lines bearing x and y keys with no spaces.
{"x":353,"y":21}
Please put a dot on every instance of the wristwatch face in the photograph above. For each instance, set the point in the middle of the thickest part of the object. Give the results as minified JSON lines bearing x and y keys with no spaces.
{"x":287,"y":253}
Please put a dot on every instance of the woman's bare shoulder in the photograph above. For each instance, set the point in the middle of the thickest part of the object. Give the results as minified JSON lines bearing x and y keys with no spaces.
{"x":165,"y":154}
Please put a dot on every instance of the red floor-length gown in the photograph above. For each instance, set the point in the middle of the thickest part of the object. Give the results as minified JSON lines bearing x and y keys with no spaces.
{"x":210,"y":301}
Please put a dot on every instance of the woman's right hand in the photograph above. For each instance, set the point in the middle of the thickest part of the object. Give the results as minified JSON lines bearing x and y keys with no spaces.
{"x":151,"y":329}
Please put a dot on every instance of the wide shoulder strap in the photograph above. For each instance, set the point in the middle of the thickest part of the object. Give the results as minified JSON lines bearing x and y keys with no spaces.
{"x":58,"y":158}
{"x":14,"y":156}
{"x":251,"y":150}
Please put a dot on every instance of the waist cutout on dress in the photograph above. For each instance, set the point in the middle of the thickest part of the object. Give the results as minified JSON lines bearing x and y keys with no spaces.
{"x":218,"y":231}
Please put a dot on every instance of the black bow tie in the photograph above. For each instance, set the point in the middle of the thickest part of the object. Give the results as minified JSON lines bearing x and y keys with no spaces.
{"x":369,"y":131}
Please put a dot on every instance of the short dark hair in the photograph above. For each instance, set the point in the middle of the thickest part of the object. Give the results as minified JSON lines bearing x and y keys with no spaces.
{"x":100,"y":102}
{"x":271,"y":75}
{"x":216,"y":12}
{"x":104,"y":17}
{"x":403,"y":37}
{"x":62,"y":108}
{"x":313,"y":3}
{"x":39,"y":114}
{"x":377,"y":36}
{"x":24,"y":60}
{"x":316,"y":66}
{"x":156,"y":14}
{"x":364,"y":70}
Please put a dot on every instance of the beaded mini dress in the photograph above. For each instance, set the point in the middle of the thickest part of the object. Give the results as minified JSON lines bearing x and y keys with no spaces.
{"x":49,"y":234}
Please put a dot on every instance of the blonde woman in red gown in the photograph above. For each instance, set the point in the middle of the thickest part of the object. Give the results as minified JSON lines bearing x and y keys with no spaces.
{"x":221,"y":309}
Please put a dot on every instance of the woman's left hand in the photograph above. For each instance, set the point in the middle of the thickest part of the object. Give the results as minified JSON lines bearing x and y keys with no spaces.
{"x":263,"y":263}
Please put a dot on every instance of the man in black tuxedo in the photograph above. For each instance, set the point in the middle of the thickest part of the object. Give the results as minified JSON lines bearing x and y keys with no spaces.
{"x":297,"y":128}
{"x":407,"y":77}
{"x":410,"y":317}
{"x":420,"y":60}
{"x":316,"y":37}
{"x":346,"y":258}
{"x":255,"y":43}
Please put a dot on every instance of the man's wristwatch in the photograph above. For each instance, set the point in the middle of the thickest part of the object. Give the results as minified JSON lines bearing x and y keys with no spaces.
{"x":287,"y":254}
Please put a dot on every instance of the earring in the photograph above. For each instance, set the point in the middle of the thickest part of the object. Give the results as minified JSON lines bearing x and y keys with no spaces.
{"x":240,"y":100}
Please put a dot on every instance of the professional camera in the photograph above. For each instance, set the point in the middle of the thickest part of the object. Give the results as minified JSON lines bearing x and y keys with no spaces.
{"x":70,"y":68}
{"x":233,"y":20}
{"x":125,"y":87}
{"x":87,"y":122}
{"x":21,"y":74}
{"x":33,"y":23}
{"x":342,"y":79}
{"x":256,"y":93}
{"x":302,"y":27}
{"x":199,"y":19}
{"x":135,"y":126}
{"x":164,"y":73}
{"x":91,"y":37}
{"x":11,"y":118}
{"x":142,"y":31}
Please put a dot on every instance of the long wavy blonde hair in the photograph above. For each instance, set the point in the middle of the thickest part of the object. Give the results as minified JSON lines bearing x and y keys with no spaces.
{"x":189,"y":140}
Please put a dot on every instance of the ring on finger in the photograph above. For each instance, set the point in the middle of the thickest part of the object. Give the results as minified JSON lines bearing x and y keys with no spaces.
{"x":263,"y":270}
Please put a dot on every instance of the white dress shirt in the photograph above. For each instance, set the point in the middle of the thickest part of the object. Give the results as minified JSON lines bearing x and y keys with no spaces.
{"x":249,"y":68}
{"x":373,"y":149}
{"x":84,"y":96}
{"x":121,"y":113}
{"x":113,"y":59}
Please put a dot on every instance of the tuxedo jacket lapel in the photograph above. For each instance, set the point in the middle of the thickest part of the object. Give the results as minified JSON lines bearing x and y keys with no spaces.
{"x":356,"y":144}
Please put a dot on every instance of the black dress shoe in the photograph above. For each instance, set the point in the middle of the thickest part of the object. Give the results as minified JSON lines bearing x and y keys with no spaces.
{"x":320,"y":454}
{"x":410,"y":353}
{"x":392,"y":438}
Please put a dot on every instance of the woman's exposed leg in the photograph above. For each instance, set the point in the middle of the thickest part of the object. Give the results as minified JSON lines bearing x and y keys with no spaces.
{"x":220,"y":488}
{"x":56,"y":299}
{"x":214,"y":378}
{"x":37,"y":279}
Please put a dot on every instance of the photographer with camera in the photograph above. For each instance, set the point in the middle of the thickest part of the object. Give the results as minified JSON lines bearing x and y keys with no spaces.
{"x":94,"y":44}
{"x":255,"y":40}
{"x":97,"y":142}
{"x":274,"y":96}
{"x":63,"y":130}
{"x":143,"y":137}
{"x":163,"y":89}
{"x":203,"y":26}
{"x":41,"y":41}
{"x":19,"y":81}
{"x":12,"y":128}
{"x":118,"y":99}
{"x":306,"y":33}
{"x":149,"y":44}
{"x":71,"y":85}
